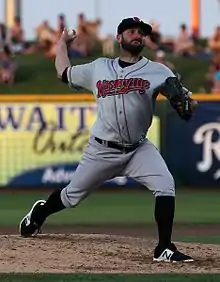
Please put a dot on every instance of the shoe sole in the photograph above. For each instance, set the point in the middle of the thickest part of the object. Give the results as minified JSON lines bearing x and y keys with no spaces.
{"x":29,"y":213}
{"x":167,"y":260}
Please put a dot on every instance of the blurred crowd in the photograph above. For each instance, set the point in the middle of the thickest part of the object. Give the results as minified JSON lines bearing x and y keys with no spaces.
{"x":13,"y":41}
{"x":89,"y":41}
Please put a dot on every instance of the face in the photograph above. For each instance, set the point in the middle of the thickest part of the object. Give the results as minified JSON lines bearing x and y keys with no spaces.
{"x":132,"y":40}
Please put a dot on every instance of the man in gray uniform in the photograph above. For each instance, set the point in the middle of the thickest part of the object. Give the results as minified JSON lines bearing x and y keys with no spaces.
{"x":125,"y":90}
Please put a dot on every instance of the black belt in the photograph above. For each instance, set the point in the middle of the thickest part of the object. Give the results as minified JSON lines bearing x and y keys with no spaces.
{"x":123,"y":148}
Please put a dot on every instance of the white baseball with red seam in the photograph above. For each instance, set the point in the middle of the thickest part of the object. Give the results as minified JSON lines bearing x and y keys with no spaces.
{"x":71,"y":33}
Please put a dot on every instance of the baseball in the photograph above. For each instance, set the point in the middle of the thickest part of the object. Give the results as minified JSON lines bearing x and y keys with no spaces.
{"x":71,"y":33}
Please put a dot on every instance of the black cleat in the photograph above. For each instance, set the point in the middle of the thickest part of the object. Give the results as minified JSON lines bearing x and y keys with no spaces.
{"x":28,"y":228}
{"x":170,"y":254}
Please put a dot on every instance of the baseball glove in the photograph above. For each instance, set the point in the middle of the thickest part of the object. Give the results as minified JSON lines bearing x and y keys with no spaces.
{"x":179,"y":97}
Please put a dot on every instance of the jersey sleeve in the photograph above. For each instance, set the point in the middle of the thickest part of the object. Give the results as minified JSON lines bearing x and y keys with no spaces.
{"x":81,"y":76}
{"x":165,"y":73}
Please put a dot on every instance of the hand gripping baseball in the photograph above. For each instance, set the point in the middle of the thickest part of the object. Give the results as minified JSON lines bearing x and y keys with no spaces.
{"x":68,"y":35}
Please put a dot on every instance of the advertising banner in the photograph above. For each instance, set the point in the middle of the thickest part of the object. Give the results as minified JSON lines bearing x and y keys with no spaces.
{"x":42,"y":143}
{"x":193,"y":148}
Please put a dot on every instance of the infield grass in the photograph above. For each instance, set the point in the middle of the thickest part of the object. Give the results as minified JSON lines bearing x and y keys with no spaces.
{"x":108,"y":278}
{"x":200,"y":239}
{"x":112,"y":208}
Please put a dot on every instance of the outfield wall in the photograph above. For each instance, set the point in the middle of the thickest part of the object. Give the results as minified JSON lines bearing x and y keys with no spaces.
{"x":42,"y":138}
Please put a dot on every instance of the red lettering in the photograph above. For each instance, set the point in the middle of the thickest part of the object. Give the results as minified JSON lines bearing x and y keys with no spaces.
{"x":121,"y":86}
{"x":111,"y":84}
{"x":130,"y":83}
{"x":145,"y":84}
{"x":118,"y":83}
{"x":137,"y":82}
{"x":99,"y":87}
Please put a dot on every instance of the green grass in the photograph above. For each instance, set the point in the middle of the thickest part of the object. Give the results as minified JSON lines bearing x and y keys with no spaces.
{"x":108,"y":278}
{"x":200,"y":239}
{"x":124,"y":207}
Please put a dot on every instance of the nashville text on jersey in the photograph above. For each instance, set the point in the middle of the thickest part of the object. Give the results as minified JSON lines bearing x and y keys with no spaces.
{"x":121,"y":86}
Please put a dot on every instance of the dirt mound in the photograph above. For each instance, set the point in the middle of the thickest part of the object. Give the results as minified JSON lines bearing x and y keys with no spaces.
{"x":71,"y":253}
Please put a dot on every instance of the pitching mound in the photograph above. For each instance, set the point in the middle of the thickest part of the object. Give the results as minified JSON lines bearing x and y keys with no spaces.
{"x":97,"y":254}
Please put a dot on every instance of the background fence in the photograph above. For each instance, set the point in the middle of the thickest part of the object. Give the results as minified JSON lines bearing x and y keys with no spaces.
{"x":42,"y":140}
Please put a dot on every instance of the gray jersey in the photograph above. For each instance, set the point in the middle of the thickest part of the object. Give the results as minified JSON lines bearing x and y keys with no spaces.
{"x":125,"y":96}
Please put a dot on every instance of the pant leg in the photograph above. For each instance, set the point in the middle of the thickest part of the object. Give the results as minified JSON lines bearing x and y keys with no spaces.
{"x":97,"y":165}
{"x":148,"y":167}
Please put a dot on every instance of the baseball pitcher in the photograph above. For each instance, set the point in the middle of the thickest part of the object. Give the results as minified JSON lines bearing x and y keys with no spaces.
{"x":125,"y":89}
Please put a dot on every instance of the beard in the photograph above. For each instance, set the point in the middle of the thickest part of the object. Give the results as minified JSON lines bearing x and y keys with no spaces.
{"x":132,"y":48}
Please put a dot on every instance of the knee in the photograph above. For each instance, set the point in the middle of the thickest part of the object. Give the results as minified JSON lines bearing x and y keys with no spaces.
{"x":70,"y":197}
{"x":166,"y":187}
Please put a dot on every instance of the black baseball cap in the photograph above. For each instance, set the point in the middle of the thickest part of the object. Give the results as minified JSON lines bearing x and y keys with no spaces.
{"x":132,"y":23}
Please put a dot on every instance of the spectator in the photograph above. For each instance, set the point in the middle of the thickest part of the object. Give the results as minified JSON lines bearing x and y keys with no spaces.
{"x":156,"y":41}
{"x":214,"y":41}
{"x":45,"y":33}
{"x":81,"y":23}
{"x":7,"y":67}
{"x":108,"y":45}
{"x":78,"y":47}
{"x":3,"y":36}
{"x":61,"y":23}
{"x":153,"y":41}
{"x":212,"y":81}
{"x":184,"y":44}
{"x":155,"y":35}
{"x":92,"y":28}
{"x":161,"y":58}
{"x":17,"y":36}
{"x":88,"y":34}
{"x":46,"y":36}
